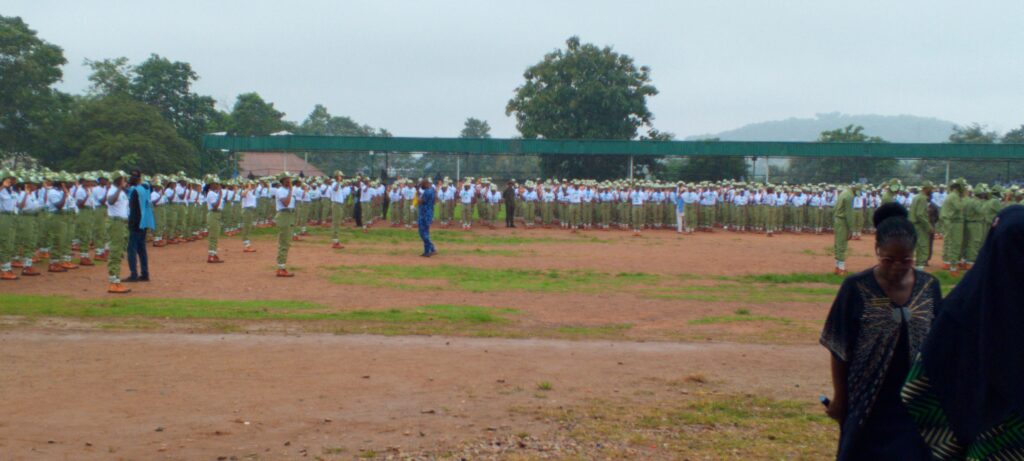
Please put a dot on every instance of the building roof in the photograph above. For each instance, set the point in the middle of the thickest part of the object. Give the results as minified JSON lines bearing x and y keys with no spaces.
{"x":271,"y":163}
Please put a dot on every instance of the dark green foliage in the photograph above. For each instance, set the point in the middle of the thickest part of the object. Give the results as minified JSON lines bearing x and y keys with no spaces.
{"x":835,"y":170}
{"x":975,"y":171}
{"x":29,"y":106}
{"x":320,"y":122}
{"x":584,"y":92}
{"x":705,"y":168}
{"x":252,"y":116}
{"x":117,"y":132}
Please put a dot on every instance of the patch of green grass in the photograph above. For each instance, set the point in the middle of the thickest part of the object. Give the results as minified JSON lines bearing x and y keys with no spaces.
{"x":747,"y":293}
{"x":478,"y":279}
{"x":709,"y":427}
{"x":798,"y":277}
{"x":63,"y":306}
{"x":412,"y":250}
{"x":721,"y":319}
{"x":611,"y":330}
{"x":442,"y":236}
{"x":946,"y":281}
{"x":545,"y":386}
{"x":742,"y":311}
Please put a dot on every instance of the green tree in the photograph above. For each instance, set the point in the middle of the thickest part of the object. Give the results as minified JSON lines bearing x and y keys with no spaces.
{"x":704,"y":168}
{"x":117,"y":132}
{"x":167,"y":86}
{"x":29,"y":105}
{"x":1014,"y":136}
{"x":320,"y":122}
{"x":584,"y":92}
{"x":974,"y":170}
{"x":110,"y":76}
{"x":468,"y":164}
{"x":252,"y":116}
{"x":812,"y":169}
{"x":974,"y":133}
{"x":475,"y":129}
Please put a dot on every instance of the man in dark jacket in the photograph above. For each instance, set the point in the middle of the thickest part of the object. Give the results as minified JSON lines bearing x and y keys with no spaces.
{"x":140,"y":218}
{"x":509,"y":197}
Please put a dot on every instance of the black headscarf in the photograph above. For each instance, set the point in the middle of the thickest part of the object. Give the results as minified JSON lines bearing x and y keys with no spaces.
{"x":974,"y":355}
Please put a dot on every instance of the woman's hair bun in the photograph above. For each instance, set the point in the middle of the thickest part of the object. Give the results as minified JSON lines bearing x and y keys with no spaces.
{"x":889,"y":210}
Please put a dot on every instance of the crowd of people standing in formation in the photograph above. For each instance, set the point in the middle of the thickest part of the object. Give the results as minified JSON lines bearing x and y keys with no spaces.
{"x":56,"y":216}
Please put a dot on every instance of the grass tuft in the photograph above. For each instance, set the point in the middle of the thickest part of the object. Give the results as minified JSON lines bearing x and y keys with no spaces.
{"x":479,"y":279}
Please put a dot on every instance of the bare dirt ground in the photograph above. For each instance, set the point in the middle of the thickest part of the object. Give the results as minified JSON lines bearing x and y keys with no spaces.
{"x":181,"y":272}
{"x":178,"y":396}
{"x":71,"y":391}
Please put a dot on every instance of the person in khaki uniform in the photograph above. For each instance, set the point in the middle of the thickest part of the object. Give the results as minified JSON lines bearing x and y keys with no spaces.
{"x":8,"y":225}
{"x":284,"y":203}
{"x":953,"y":224}
{"x":27,"y":232}
{"x":249,"y":207}
{"x":843,"y":225}
{"x":975,"y":227}
{"x":117,"y":229}
{"x":922,"y":224}
{"x":214,"y":219}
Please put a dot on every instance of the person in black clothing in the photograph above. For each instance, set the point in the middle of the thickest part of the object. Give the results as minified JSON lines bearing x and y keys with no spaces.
{"x":137,"y":257}
{"x":357,"y":209}
{"x":509,"y":197}
{"x":877,"y":325}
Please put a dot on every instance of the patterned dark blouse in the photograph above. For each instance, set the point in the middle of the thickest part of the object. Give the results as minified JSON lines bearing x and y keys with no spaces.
{"x":865,"y":330}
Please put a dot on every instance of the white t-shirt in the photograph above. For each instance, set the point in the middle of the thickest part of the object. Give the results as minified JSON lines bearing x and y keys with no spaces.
{"x":32,"y":203}
{"x":249,"y":199}
{"x":120,"y":208}
{"x":213,"y":198}
{"x":280,"y":195}
{"x":8,"y":200}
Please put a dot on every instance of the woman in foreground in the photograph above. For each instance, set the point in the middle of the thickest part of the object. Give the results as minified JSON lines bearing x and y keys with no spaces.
{"x":966,"y":389}
{"x":877,"y":324}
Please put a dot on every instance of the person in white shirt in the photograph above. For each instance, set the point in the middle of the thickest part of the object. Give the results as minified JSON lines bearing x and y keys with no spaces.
{"x":637,"y":197}
{"x":339,"y":192}
{"x":8,"y":214}
{"x":408,"y":209}
{"x":156,"y":200}
{"x":117,"y":228}
{"x":29,"y":220}
{"x":249,"y":204}
{"x":467,"y":197}
{"x":284,"y":203}
{"x":55,"y":196}
{"x":214,"y":206}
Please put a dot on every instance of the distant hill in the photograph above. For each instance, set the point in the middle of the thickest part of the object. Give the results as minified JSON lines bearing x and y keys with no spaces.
{"x":893,"y":128}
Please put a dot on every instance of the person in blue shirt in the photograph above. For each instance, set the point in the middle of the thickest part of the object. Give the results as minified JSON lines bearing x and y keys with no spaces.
{"x":426,"y":216}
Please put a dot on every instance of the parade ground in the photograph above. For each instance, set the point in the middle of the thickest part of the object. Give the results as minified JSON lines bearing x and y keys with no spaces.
{"x":508,"y":344}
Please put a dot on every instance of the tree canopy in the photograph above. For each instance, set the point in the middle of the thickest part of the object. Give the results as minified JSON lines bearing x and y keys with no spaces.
{"x":843,"y":169}
{"x":252,"y":116}
{"x":584,"y":92}
{"x":117,"y":132}
{"x":29,"y":105}
{"x":973,"y":170}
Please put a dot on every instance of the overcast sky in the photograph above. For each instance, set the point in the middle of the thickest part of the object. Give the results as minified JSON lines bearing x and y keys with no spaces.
{"x":419,"y":68}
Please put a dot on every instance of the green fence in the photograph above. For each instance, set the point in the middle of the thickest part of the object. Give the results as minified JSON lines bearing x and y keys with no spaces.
{"x":294,"y":143}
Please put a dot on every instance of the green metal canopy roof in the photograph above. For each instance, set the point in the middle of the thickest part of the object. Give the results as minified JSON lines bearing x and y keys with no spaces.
{"x":294,"y":143}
